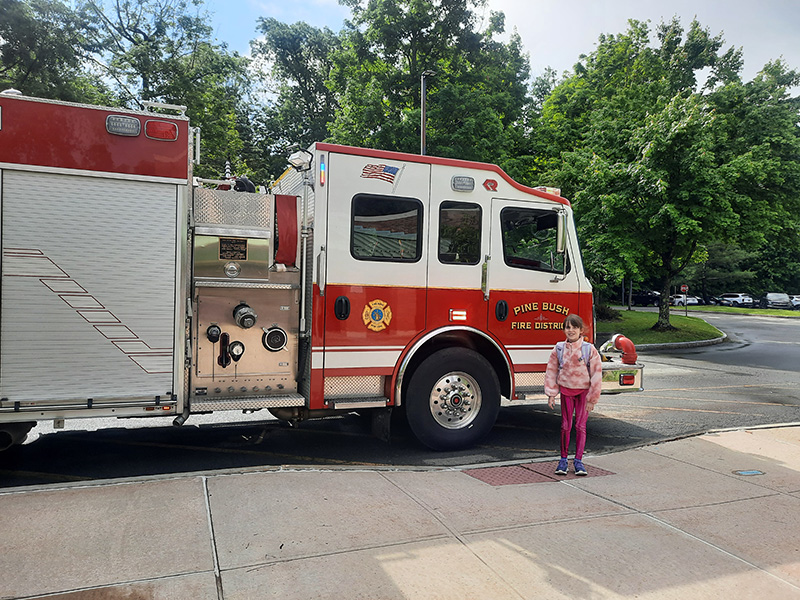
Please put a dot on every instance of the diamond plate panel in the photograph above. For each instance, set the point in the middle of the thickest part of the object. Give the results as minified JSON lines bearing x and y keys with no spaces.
{"x":200,"y":404}
{"x":218,"y":207}
{"x":354,"y":387}
{"x":529,"y":382}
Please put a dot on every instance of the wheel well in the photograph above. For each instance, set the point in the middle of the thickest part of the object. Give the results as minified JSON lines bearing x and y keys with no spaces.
{"x":461,"y":339}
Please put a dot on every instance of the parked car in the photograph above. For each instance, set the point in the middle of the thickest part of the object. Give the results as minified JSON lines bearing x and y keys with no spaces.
{"x":683,"y":300}
{"x":775,"y":300}
{"x":738,"y":299}
{"x":796,"y":301}
{"x":645,"y":298}
{"x":718,"y":301}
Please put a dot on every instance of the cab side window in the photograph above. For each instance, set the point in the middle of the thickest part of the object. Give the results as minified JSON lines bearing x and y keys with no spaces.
{"x":529,"y":239}
{"x":459,"y":233}
{"x":386,"y":228}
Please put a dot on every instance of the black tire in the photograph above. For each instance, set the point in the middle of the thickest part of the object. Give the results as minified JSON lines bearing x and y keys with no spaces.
{"x":453,"y":399}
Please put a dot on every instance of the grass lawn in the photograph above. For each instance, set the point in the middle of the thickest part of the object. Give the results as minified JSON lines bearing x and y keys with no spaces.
{"x":636,"y":326}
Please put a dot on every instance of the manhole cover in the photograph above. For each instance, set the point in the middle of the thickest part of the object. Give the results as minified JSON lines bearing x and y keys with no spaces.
{"x":507,"y":475}
{"x":528,"y":473}
{"x":549,"y":468}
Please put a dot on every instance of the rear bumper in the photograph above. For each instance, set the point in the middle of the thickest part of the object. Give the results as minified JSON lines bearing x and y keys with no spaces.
{"x":619,"y":377}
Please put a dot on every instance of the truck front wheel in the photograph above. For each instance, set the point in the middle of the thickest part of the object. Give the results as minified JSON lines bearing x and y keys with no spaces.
{"x":452,"y":399}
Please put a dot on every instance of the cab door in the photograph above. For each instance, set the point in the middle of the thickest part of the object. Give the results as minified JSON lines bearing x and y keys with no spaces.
{"x":531,"y":286}
{"x":459,"y":242}
{"x":375,"y":265}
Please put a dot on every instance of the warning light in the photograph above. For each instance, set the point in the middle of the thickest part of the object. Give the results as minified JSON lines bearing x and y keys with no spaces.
{"x":123,"y":125}
{"x":549,"y":190}
{"x":322,"y":170}
{"x":161,"y":130}
{"x":458,"y":315}
{"x":627,"y":379}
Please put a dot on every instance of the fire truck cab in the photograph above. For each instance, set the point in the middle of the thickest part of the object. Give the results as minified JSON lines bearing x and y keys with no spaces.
{"x":365,"y":280}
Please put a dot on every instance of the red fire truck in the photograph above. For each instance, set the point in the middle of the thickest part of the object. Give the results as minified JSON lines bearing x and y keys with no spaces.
{"x":364,"y":280}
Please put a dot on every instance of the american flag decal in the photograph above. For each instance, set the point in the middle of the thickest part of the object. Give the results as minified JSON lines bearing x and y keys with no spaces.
{"x":382,"y":172}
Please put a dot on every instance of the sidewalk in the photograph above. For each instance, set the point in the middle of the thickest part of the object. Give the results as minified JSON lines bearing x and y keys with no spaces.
{"x":716,"y":516}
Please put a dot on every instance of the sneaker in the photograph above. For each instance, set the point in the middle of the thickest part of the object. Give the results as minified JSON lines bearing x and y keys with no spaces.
{"x":561,"y":469}
{"x":579,"y":468}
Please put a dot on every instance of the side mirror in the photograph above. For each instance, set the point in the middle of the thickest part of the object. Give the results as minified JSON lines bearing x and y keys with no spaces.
{"x":561,"y":245}
{"x":561,"y":235}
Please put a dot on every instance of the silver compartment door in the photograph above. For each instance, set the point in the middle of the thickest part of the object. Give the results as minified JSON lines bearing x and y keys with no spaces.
{"x":88,"y":288}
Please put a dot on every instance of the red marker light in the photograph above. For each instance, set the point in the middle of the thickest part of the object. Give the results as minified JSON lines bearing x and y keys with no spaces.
{"x":627,"y":379}
{"x":161,"y":130}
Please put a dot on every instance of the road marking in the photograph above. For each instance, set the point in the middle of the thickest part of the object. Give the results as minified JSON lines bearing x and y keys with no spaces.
{"x":652,"y":397}
{"x":723,"y":387}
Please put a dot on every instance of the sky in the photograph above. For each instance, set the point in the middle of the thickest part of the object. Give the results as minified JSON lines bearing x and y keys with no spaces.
{"x":556,"y":32}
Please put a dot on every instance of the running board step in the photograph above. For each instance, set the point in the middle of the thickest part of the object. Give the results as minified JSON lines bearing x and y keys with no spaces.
{"x":205,"y":404}
{"x":356,"y":403}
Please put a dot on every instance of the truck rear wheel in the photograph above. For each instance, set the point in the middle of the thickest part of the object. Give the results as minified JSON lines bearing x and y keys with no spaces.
{"x":453,"y":399}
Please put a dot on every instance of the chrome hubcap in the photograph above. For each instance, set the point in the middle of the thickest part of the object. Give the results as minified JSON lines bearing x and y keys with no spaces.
{"x":455,"y":400}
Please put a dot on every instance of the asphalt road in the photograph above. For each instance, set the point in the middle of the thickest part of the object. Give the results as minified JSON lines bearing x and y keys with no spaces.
{"x":750,"y":380}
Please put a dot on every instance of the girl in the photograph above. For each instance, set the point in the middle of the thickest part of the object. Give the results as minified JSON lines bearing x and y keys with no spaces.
{"x":575,"y":371}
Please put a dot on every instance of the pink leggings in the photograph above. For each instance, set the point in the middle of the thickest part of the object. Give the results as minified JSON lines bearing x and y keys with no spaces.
{"x":573,"y":401}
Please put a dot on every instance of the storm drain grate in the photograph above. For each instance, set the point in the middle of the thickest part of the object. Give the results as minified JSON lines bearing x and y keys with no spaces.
{"x":507,"y":475}
{"x":549,"y":468}
{"x":529,"y":473}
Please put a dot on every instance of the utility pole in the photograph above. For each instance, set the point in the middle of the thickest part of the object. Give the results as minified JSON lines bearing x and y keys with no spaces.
{"x":423,"y":119}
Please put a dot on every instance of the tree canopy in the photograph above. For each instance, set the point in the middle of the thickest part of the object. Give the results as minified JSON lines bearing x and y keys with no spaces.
{"x":43,"y":51}
{"x":650,"y":158}
{"x":476,"y":94}
{"x":677,"y":168}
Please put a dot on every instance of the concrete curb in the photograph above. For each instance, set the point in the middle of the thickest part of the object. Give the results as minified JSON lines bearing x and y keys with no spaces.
{"x":681,"y":345}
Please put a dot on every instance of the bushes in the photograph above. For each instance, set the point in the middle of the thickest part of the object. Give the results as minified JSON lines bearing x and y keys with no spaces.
{"x":604,"y":312}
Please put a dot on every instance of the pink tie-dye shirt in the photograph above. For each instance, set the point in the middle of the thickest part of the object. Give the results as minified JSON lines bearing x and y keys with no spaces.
{"x":573,"y":373}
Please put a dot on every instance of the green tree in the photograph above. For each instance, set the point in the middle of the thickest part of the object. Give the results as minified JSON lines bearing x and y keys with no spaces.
{"x":476,"y":96}
{"x":762,"y":140}
{"x":722,"y":268}
{"x":300,"y":61}
{"x":42,"y":51}
{"x":647,"y":158}
{"x":162,"y":50}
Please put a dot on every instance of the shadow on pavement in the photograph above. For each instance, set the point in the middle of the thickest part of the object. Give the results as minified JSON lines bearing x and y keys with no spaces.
{"x":522,"y":433}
